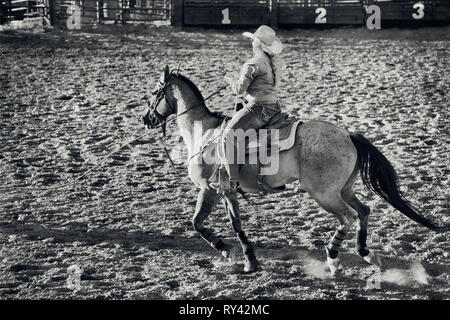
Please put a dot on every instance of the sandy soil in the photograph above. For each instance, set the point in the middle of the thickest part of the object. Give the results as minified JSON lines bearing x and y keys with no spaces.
{"x":68,"y":99}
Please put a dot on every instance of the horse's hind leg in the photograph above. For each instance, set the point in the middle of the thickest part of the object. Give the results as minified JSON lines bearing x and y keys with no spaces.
{"x":363,"y":220}
{"x":251,"y":263}
{"x":206,"y":201}
{"x":334,"y":203}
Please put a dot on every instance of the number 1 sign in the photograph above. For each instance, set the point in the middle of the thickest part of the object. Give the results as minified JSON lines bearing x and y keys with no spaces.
{"x":226,"y":16}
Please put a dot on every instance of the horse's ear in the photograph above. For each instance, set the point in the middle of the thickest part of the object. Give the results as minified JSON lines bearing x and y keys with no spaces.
{"x":166,"y":72}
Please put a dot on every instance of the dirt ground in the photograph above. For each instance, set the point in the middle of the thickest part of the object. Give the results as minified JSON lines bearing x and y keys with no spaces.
{"x":68,"y":99}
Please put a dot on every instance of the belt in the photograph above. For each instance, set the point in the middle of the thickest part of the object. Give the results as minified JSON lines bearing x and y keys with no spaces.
{"x":267,"y":99}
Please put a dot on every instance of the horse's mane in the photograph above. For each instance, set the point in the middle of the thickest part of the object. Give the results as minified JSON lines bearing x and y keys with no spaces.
{"x":199,"y":95}
{"x":191,"y":85}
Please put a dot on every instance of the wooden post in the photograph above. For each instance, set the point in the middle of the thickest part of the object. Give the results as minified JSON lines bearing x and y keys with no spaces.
{"x":177,"y":13}
{"x":122,"y":11}
{"x":274,"y":15}
{"x":100,"y":11}
{"x":9,"y":10}
{"x":51,"y":10}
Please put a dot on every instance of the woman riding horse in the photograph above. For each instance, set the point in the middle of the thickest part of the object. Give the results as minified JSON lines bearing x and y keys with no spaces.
{"x":258,"y":83}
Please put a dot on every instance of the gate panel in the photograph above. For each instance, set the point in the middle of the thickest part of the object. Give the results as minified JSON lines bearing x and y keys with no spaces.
{"x":148,"y":10}
{"x":405,"y":10}
{"x":441,"y":11}
{"x":33,"y":11}
{"x":227,"y":12}
{"x":115,"y":11}
{"x":320,"y":12}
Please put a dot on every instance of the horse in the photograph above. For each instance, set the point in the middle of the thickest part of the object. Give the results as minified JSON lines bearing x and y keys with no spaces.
{"x":325,"y":158}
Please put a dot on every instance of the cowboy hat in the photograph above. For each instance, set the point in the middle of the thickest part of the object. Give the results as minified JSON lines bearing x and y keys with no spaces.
{"x":269,"y":41}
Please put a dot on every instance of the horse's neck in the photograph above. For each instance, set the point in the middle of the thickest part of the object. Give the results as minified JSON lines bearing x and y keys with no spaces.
{"x":194,"y":119}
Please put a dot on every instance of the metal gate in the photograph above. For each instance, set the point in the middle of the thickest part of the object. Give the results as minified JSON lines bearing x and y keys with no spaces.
{"x":25,"y":11}
{"x":112,"y":11}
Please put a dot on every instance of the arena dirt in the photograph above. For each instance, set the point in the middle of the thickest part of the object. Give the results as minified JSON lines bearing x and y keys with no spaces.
{"x":68,"y":99}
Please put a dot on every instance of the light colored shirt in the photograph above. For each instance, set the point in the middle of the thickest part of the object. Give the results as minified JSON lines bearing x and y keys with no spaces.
{"x":256,"y":81}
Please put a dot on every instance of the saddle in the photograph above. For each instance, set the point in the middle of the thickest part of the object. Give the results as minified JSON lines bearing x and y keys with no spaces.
{"x":286,"y":127}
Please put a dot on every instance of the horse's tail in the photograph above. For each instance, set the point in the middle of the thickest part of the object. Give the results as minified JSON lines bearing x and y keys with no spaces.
{"x":379,"y":176}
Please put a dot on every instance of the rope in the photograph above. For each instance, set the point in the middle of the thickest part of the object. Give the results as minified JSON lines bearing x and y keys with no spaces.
{"x":103,"y":159}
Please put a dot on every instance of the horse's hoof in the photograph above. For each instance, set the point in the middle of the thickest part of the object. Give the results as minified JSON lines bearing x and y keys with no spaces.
{"x":226,"y":252}
{"x":373,"y":258}
{"x":333,"y":264}
{"x":251,"y":266}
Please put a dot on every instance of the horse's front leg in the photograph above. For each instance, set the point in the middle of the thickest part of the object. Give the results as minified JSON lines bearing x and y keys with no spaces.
{"x":206,"y":201}
{"x":251,"y":263}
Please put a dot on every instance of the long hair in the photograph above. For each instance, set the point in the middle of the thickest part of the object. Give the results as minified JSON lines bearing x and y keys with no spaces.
{"x":272,"y":66}
{"x":258,"y":47}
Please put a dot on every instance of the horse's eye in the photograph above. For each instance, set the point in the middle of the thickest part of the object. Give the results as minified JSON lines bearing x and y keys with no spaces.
{"x":154,"y":92}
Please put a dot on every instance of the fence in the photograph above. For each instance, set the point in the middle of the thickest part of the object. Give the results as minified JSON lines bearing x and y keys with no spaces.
{"x":19,"y":10}
{"x":57,"y":12}
{"x":324,"y":12}
{"x":228,"y":12}
{"x":112,"y":11}
{"x":307,"y":12}
{"x":223,"y":12}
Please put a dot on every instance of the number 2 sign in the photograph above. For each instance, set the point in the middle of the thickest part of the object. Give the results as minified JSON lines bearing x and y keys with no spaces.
{"x":321,"y":15}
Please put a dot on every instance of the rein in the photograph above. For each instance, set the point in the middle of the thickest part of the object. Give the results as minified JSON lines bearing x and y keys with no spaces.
{"x":163,"y":123}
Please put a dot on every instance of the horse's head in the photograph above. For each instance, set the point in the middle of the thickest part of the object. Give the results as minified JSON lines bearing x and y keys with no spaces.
{"x":160,"y":105}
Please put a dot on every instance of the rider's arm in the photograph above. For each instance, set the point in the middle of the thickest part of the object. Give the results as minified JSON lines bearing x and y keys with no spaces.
{"x":248,"y":74}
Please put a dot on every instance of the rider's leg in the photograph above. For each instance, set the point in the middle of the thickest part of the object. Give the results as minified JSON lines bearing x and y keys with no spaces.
{"x":244,"y":119}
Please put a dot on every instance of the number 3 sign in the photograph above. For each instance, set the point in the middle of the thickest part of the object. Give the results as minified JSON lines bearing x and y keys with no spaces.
{"x":420,"y":11}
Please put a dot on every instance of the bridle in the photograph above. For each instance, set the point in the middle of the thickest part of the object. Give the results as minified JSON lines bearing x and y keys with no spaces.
{"x":160,"y":94}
